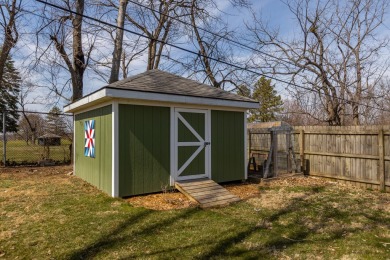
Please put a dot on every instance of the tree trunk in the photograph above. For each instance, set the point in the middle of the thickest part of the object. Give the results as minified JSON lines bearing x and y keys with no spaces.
{"x":151,"y":54}
{"x":117,"y":54}
{"x":358,"y":91}
{"x":202,"y":50}
{"x":78,"y":55}
{"x":9,"y":39}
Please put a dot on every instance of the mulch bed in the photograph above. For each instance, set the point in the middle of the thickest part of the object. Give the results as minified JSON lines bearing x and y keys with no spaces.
{"x":245,"y":190}
{"x":176,"y":200}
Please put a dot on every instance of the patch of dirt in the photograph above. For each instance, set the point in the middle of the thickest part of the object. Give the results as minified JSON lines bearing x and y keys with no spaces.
{"x":278,"y":193}
{"x":275,"y":199}
{"x":244,"y":190}
{"x":162,"y":201}
{"x":20,"y":172}
{"x":28,"y":178}
{"x":301,"y":181}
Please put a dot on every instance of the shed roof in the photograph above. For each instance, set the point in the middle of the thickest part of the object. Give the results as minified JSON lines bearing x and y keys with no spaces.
{"x":158,"y":81}
{"x":157,"y":85}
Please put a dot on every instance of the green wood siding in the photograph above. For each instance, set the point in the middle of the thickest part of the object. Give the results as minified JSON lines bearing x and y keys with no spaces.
{"x":98,"y":170}
{"x":197,"y":166}
{"x":144,"y":153}
{"x":227,"y":146}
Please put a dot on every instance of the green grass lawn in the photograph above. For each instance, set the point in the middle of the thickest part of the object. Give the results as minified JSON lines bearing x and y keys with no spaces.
{"x":18,"y":152}
{"x":52,"y":215}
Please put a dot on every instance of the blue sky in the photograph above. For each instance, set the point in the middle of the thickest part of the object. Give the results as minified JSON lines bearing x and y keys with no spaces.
{"x":273,"y":11}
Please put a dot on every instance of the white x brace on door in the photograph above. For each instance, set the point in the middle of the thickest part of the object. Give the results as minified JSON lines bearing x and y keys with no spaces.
{"x":192,"y":144}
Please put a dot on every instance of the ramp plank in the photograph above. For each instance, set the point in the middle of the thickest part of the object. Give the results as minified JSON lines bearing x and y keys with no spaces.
{"x":206,"y":192}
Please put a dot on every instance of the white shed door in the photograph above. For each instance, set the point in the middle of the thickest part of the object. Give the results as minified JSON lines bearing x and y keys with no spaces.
{"x":192,"y":143}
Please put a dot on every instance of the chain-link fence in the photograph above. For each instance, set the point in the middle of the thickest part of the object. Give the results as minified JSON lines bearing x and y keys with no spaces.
{"x":35,"y":138}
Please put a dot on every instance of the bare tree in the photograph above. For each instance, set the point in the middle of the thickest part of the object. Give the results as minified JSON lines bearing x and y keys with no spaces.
{"x":127,"y":47}
{"x":328,"y":54}
{"x":118,"y":43}
{"x":156,"y":25}
{"x":210,"y":35}
{"x":10,"y":11}
{"x":30,"y":127}
{"x":64,"y":47}
{"x":354,"y":30}
{"x":77,"y":65}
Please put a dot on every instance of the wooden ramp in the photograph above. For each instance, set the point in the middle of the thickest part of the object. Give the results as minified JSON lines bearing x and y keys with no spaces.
{"x":206,"y":192}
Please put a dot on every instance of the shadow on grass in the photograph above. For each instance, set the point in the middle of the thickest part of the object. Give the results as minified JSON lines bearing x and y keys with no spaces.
{"x":230,"y":242}
{"x":298,"y":231}
{"x":119,"y":234}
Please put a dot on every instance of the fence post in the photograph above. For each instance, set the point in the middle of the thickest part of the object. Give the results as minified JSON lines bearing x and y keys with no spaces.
{"x":250,"y":143}
{"x":381,"y":153}
{"x":302,"y":149}
{"x":4,"y":139}
{"x":275,"y":153}
{"x":288,"y":146}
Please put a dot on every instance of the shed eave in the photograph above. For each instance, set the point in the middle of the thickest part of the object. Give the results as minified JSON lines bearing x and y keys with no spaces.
{"x":108,"y":93}
{"x":88,"y":101}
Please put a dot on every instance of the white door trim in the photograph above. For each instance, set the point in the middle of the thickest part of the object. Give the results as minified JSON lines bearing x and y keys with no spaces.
{"x":175,"y":116}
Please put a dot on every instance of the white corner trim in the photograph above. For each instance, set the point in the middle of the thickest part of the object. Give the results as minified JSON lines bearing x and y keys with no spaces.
{"x":74,"y":145}
{"x":171,"y":146}
{"x":115,"y":150}
{"x":245,"y":146}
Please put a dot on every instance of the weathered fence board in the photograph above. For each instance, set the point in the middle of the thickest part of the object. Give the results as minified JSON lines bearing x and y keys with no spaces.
{"x":359,"y":154}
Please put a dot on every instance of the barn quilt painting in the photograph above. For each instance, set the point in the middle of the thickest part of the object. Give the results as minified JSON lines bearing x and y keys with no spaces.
{"x":89,"y":129}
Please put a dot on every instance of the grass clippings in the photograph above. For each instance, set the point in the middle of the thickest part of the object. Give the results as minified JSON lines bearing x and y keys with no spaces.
{"x":47,"y":214}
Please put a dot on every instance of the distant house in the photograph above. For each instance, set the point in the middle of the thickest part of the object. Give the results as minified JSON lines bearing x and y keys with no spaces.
{"x":49,"y":140}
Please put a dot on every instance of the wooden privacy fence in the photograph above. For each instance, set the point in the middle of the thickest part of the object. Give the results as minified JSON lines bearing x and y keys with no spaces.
{"x":353,"y":154}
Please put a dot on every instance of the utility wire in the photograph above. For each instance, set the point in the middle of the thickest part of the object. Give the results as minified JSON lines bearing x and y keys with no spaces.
{"x":236,"y":43}
{"x":202,"y":55}
{"x":188,"y":67}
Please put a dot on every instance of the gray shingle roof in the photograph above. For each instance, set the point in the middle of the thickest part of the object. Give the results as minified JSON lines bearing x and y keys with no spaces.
{"x":157,"y":81}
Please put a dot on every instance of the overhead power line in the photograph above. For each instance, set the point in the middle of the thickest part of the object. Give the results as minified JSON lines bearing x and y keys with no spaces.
{"x":236,"y":43}
{"x":202,"y":55}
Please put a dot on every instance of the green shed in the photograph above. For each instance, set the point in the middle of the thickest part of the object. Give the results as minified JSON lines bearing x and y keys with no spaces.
{"x":141,"y":134}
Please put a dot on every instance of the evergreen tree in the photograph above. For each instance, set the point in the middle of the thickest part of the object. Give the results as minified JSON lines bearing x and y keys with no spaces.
{"x":55,"y":122}
{"x":244,"y":91}
{"x":270,"y":102}
{"x":9,"y":93}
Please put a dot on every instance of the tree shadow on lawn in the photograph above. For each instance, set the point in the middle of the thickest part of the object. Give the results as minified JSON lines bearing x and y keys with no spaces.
{"x":114,"y":238}
{"x":299,"y":233}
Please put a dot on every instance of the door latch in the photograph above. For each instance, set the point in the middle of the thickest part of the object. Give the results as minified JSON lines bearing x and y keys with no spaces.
{"x":206,"y":143}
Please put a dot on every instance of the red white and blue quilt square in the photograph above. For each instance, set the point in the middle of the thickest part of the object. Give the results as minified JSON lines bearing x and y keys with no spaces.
{"x":89,"y":129}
